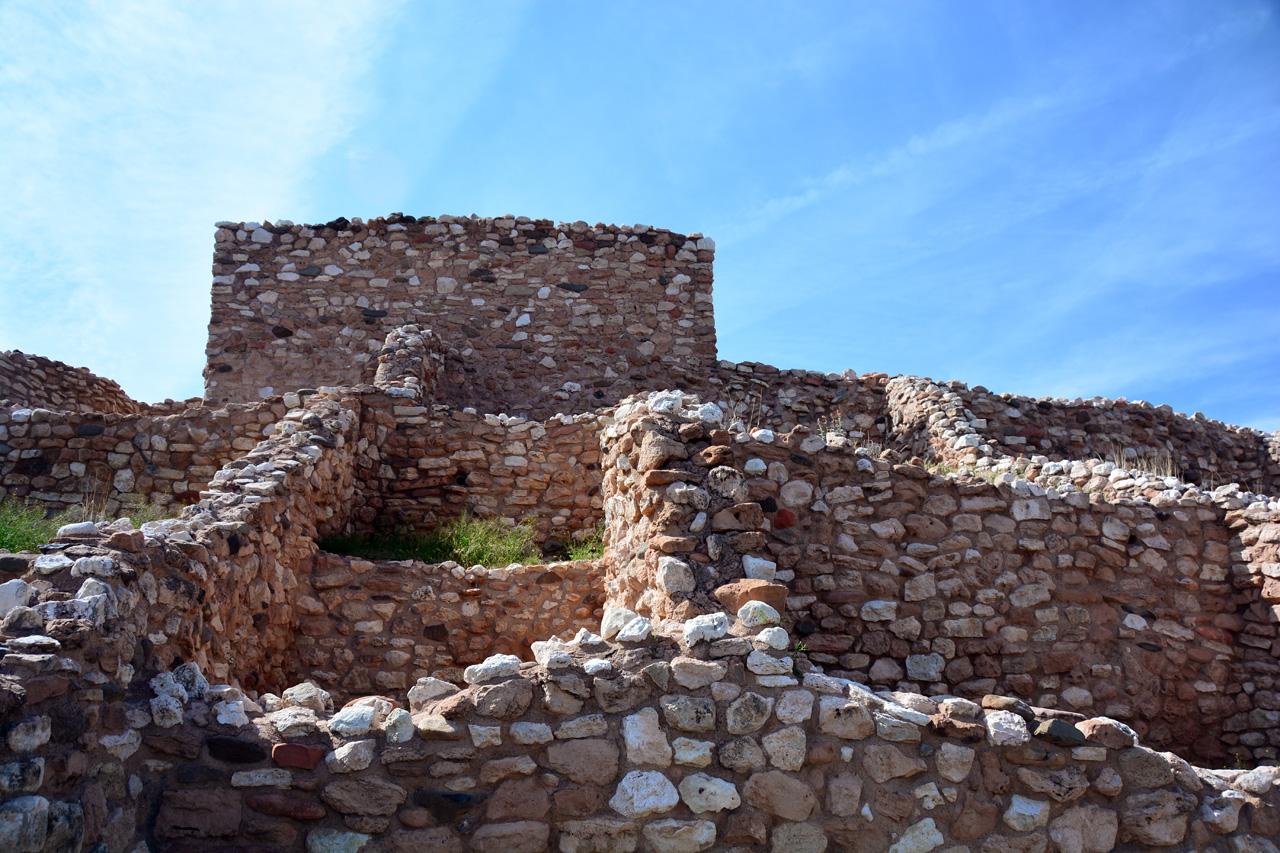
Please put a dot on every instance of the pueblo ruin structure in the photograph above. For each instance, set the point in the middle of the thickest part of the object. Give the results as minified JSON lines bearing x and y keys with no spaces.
{"x":835,"y":612}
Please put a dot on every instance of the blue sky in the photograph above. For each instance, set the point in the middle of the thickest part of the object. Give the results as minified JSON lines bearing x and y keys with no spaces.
{"x":1050,"y":198}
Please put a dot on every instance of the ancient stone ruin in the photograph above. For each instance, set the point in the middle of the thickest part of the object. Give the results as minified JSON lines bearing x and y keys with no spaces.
{"x":834,"y":612}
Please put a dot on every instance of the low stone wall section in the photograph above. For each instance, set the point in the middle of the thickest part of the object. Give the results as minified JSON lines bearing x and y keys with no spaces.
{"x":723,"y":743}
{"x":959,"y":425}
{"x":378,"y":626}
{"x":525,"y":308}
{"x":32,"y":381}
{"x":115,"y":460}
{"x":908,"y":580}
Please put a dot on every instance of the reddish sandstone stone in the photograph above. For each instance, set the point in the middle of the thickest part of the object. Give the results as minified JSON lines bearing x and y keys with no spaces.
{"x":296,"y":755}
{"x":737,"y":593}
{"x":284,"y":805}
{"x":783,"y":519}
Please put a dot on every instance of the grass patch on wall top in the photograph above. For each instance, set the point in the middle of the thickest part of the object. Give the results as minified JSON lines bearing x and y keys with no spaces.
{"x":468,"y":540}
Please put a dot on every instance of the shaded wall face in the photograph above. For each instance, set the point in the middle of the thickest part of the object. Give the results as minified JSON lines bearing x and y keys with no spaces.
{"x":898,"y":578}
{"x":522,"y":306}
{"x":431,"y":464}
{"x":378,"y":626}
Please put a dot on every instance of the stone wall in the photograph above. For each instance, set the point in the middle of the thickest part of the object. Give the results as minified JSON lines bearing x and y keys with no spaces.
{"x":367,"y":626}
{"x":434,"y":464}
{"x":526,"y":309}
{"x":714,"y":741}
{"x":913,"y":581}
{"x":116,"y":460}
{"x":32,"y":381}
{"x":954,"y":423}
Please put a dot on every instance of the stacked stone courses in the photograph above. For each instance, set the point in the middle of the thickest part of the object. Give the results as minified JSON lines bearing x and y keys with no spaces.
{"x":835,"y":612}
{"x":527,"y":308}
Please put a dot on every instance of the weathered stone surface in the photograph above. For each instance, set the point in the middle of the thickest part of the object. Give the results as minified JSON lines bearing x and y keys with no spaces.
{"x":742,"y":755}
{"x":1107,"y":732}
{"x":1025,"y":814}
{"x":519,"y":799}
{"x":198,"y":814}
{"x":438,"y":839}
{"x":366,"y":795}
{"x":735,"y":594}
{"x":1158,"y":818}
{"x":919,"y":838}
{"x":1084,"y":829}
{"x":285,"y":805}
{"x":954,"y":762}
{"x":587,"y":761}
{"x":883,"y":762}
{"x":1144,"y":768}
{"x":693,"y":674}
{"x":844,"y":719}
{"x":780,"y":795}
{"x":748,"y":713}
{"x":505,"y":701}
{"x":524,"y":836}
{"x":703,"y":793}
{"x":680,"y":836}
{"x":844,"y":794}
{"x":1005,"y":728}
{"x":335,"y":841}
{"x":598,"y":835}
{"x":642,"y":793}
{"x":798,"y":838}
{"x":1064,"y":785}
{"x":645,"y":739}
{"x":689,"y":714}
{"x":786,"y":748}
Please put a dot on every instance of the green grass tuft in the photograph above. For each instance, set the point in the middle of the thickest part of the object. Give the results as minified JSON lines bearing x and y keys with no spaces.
{"x":23,"y":526}
{"x":589,"y":546}
{"x":468,"y":540}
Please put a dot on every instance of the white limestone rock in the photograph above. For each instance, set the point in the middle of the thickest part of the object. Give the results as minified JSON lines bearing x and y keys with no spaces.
{"x":428,"y":690}
{"x":1005,"y":728}
{"x":706,"y":628}
{"x":774,"y":638}
{"x":757,"y":614}
{"x":758,"y":568}
{"x":494,"y":666}
{"x":636,"y":631}
{"x":642,"y":793}
{"x":399,"y":726}
{"x":645,"y":740}
{"x":351,"y":757}
{"x":615,"y":619}
{"x":353,"y":721}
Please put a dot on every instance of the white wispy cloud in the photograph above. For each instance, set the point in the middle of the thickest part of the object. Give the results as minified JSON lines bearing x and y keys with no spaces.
{"x":129,"y":128}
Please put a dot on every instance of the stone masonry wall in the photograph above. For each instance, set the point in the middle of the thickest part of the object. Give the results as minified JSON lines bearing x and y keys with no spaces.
{"x":32,"y":381}
{"x":954,"y":423}
{"x":904,"y":579}
{"x":434,"y":464}
{"x":525,"y":308}
{"x":378,"y":626}
{"x":65,"y":458}
{"x":714,"y":741}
